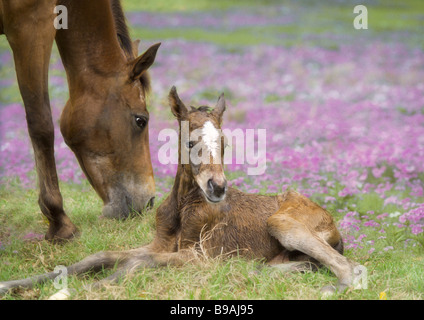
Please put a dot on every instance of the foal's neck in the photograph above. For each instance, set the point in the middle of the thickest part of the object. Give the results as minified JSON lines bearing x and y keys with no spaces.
{"x":89,"y":48}
{"x":183,"y":185}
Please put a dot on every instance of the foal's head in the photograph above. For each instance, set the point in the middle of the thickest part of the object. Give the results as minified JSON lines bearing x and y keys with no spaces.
{"x":106,"y":126}
{"x":201,"y":145}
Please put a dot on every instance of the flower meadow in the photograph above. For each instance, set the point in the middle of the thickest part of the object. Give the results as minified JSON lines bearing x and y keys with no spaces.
{"x":344,"y":123}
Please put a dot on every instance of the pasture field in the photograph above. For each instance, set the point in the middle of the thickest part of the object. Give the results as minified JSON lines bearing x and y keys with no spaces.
{"x":343,"y":111}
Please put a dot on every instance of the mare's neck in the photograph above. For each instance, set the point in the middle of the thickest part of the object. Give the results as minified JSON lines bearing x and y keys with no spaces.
{"x":89,"y":48}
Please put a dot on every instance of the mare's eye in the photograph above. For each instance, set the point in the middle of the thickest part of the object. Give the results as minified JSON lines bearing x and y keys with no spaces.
{"x":140,"y":121}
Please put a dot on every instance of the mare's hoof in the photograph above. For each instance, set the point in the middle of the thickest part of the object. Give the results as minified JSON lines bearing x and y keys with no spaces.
{"x":61,"y":231}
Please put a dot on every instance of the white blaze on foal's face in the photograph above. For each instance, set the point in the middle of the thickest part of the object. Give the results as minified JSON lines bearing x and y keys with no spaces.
{"x":211,"y":139}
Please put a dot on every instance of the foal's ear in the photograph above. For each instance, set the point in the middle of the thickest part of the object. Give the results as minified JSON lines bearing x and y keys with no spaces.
{"x":178,"y":108}
{"x":143,"y":62}
{"x":135,"y":45}
{"x":219,"y":109}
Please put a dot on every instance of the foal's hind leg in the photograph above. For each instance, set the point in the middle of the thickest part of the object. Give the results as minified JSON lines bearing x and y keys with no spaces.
{"x":127,"y":262}
{"x":293,"y":261}
{"x":93,"y":263}
{"x":145,"y":257}
{"x":29,"y":28}
{"x":294,"y":234}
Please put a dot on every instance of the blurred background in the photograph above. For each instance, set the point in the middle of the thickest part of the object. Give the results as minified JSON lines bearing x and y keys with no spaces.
{"x":343,"y":108}
{"x":277,"y":22}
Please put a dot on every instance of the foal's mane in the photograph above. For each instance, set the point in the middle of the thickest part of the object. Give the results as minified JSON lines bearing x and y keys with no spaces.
{"x":124,"y":39}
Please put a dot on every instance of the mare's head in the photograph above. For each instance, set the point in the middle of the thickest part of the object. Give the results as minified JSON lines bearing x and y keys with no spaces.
{"x":107,"y":129}
{"x":201,"y":145}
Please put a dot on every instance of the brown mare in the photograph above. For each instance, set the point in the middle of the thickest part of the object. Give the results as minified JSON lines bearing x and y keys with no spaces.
{"x":104,"y":122}
{"x":204,"y":217}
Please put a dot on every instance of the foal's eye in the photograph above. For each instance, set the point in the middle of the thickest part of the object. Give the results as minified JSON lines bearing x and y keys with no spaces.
{"x":190,"y":144}
{"x":140,"y":121}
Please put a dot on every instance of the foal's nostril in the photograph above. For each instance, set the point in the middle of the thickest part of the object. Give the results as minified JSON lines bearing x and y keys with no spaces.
{"x":220,"y":190}
{"x":217,"y":189}
{"x":211,"y":185}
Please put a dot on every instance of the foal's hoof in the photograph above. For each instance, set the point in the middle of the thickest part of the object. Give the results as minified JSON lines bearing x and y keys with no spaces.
{"x":61,"y":231}
{"x":7,"y":287}
{"x":4,"y":289}
{"x":63,"y":294}
{"x":328,"y":291}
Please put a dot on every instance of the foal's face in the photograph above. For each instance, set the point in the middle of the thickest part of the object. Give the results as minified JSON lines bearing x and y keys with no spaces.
{"x":204,"y":145}
{"x":109,"y":134}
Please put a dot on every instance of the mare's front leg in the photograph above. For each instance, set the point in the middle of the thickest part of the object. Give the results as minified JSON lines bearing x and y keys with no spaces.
{"x":29,"y":28}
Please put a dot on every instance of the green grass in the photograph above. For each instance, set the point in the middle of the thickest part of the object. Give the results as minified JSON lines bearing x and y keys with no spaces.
{"x":322,"y":19}
{"x":240,"y":36}
{"x":189,"y":5}
{"x":398,"y":273}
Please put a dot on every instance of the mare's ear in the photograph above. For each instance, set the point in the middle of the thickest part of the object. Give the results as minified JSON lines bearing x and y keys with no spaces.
{"x":219,"y":109}
{"x":143,"y":62}
{"x":178,"y":108}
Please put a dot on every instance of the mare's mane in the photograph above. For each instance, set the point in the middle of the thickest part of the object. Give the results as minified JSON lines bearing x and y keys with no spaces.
{"x":124,"y":39}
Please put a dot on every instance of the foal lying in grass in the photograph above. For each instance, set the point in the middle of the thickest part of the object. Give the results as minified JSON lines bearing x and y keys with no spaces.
{"x":202,"y":215}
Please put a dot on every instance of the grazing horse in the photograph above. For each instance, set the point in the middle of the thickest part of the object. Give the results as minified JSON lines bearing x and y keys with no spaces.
{"x":202,"y":216}
{"x":105,"y":120}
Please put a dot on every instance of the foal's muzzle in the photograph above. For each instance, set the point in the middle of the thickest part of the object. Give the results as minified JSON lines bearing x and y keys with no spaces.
{"x":216,"y":191}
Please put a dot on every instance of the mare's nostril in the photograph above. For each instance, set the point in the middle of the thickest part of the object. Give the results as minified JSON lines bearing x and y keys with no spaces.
{"x":151,"y":203}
